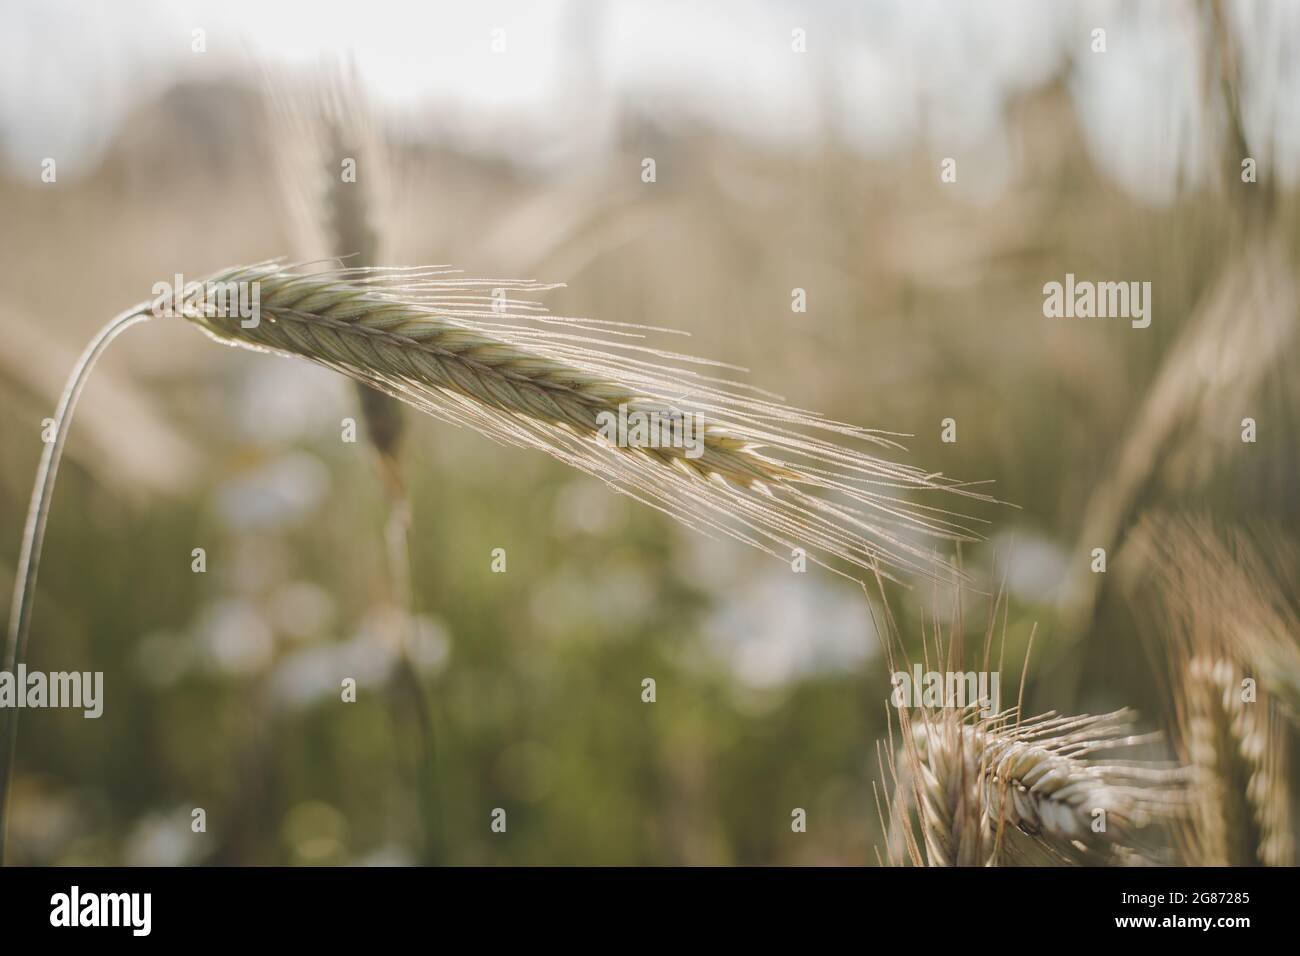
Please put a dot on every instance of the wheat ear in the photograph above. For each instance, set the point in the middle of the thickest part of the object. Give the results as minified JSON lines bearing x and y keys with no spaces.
{"x":463,"y":352}
{"x":1239,"y":811}
{"x":1001,"y":789}
{"x":1226,"y":631}
{"x":328,"y":125}
{"x":987,"y":787}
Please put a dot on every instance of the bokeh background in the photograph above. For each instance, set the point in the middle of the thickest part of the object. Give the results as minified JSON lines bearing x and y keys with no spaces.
{"x":775,"y":170}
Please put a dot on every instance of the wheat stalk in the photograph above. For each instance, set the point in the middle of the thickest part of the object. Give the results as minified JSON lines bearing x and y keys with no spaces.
{"x":763,"y":476}
{"x":38,"y":512}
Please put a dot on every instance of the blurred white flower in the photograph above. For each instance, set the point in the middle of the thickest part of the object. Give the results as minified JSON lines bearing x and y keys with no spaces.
{"x":276,"y":493}
{"x":235,"y":638}
{"x":164,"y":839}
{"x":1035,"y":565}
{"x":777,"y":626}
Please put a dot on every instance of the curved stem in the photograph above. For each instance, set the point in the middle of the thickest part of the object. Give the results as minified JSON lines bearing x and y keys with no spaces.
{"x":29,"y":559}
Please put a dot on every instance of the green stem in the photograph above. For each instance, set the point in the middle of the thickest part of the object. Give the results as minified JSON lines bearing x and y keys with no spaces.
{"x":29,"y":560}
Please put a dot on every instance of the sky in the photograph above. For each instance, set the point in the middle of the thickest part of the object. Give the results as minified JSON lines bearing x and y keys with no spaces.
{"x":557,"y":71}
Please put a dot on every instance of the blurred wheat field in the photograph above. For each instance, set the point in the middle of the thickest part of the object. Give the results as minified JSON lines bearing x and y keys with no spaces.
{"x":924,"y":303}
